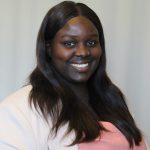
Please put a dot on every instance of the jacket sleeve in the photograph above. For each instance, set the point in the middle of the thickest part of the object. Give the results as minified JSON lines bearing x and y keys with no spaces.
{"x":15,"y":130}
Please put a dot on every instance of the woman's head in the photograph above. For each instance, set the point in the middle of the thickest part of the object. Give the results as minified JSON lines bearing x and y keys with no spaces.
{"x":55,"y":20}
{"x":75,"y":50}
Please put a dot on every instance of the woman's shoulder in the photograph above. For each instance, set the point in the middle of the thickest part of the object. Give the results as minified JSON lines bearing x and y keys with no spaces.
{"x":18,"y":96}
{"x":21,"y":125}
{"x":18,"y":105}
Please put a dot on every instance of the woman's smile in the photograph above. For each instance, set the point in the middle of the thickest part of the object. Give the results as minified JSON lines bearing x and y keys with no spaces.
{"x":81,"y":67}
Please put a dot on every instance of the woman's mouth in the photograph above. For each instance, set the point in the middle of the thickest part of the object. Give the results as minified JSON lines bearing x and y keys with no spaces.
{"x":82,"y":67}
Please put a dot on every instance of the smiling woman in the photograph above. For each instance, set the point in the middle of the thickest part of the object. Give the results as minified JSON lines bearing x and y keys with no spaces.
{"x":70,"y":102}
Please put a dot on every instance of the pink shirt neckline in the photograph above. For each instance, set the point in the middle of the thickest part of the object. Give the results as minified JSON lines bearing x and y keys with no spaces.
{"x":112,"y":140}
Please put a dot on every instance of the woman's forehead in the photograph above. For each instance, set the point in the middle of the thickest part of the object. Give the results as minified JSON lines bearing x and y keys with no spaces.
{"x":77,"y":26}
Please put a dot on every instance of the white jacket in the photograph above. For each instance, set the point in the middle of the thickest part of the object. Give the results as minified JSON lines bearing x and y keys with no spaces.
{"x":22,"y":128}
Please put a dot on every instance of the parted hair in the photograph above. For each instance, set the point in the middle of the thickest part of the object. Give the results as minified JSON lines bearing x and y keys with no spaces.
{"x":53,"y":96}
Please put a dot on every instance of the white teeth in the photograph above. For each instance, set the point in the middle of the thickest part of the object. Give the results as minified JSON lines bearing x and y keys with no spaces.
{"x":80,"y":65}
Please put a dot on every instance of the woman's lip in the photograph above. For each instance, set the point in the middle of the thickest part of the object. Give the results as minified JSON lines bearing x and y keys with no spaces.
{"x":82,"y":67}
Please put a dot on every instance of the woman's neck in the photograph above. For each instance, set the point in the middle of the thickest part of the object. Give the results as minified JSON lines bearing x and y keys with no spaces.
{"x":80,"y":90}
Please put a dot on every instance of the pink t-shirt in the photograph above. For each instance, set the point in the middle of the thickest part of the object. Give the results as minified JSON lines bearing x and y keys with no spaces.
{"x":112,"y":140}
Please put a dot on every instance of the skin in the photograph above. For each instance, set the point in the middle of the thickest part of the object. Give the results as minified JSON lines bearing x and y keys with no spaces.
{"x":75,"y":52}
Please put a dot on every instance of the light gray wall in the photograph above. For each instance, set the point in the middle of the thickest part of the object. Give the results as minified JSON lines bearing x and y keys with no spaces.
{"x":126,"y":26}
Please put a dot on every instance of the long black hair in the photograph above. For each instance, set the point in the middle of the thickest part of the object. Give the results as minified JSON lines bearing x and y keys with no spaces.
{"x":55,"y":98}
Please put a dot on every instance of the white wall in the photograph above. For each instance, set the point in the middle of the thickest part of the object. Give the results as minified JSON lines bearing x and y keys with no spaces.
{"x":127,"y":31}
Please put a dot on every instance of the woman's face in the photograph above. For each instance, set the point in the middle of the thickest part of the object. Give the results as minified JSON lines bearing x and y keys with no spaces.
{"x":75,"y":50}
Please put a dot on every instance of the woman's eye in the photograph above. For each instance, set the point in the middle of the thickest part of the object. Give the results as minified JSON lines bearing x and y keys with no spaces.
{"x":69,"y":44}
{"x":91,"y":43}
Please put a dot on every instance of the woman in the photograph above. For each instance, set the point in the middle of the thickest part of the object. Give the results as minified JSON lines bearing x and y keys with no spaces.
{"x":70,"y":102}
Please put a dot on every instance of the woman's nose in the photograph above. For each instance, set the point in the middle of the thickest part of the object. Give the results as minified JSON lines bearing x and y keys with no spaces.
{"x":82,"y":50}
